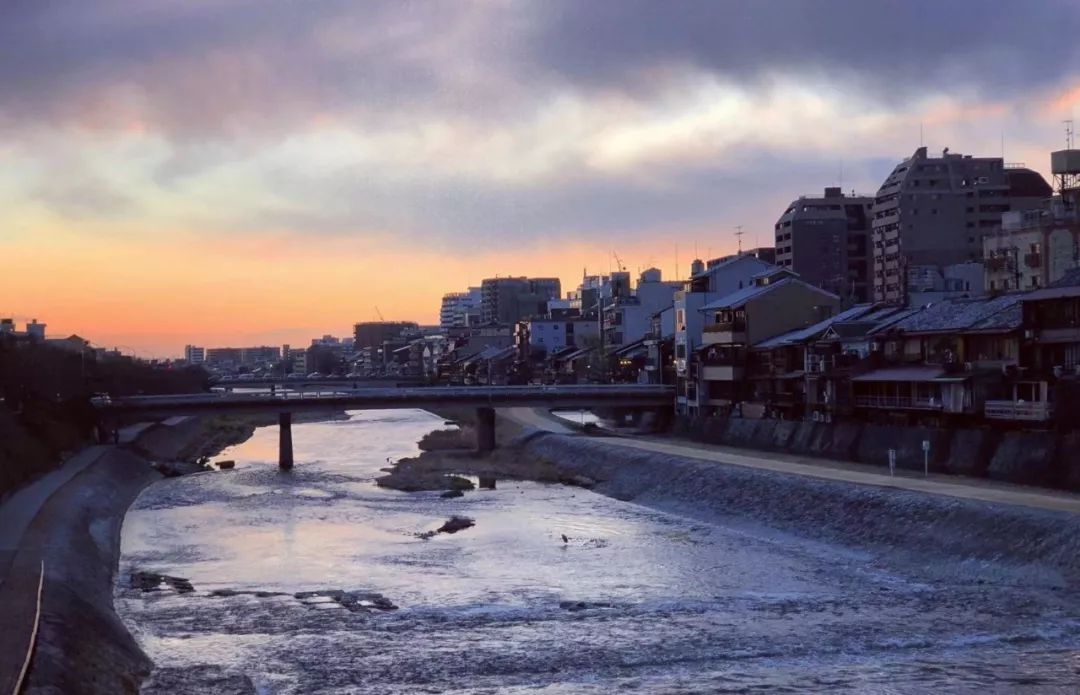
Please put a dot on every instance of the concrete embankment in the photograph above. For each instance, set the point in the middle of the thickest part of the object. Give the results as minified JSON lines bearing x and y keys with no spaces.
{"x":966,"y":539}
{"x":82,"y":646}
{"x":1031,"y":458}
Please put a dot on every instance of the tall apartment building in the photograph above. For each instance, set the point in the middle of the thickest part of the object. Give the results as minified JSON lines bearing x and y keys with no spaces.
{"x":505,"y":301}
{"x":936,"y":210}
{"x":460,"y":309}
{"x":194,"y":354}
{"x":826,"y":240}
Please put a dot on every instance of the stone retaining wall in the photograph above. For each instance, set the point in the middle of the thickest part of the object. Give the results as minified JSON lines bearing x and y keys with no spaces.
{"x":1032,"y":458}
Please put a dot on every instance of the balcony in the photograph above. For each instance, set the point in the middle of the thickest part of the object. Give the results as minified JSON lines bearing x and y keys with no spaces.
{"x":903,"y":402}
{"x":721,"y":373}
{"x":1033,"y":411}
{"x":724,"y":333}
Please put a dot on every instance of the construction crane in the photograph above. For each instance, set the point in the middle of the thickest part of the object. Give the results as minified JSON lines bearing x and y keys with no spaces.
{"x":379,"y":314}
{"x":618,"y":262}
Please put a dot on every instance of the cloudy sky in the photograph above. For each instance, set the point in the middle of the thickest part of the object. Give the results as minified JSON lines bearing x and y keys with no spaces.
{"x":241,"y":171}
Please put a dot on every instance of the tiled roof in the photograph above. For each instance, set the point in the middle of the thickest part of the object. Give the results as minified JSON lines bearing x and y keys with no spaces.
{"x":741,"y":297}
{"x":994,"y":313}
{"x":801,"y":334}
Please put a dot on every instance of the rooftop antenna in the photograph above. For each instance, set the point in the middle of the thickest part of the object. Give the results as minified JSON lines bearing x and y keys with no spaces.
{"x":1069,"y":134}
{"x":677,"y":274}
{"x":738,"y":235}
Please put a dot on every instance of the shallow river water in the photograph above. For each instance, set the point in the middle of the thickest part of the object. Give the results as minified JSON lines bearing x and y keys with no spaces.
{"x":294,"y":576}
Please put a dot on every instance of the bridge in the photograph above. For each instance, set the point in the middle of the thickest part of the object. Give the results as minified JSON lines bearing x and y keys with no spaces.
{"x":484,"y":398}
{"x":303,"y":382}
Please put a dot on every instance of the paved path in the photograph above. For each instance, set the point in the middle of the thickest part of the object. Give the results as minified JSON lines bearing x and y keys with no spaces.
{"x":826,"y":469}
{"x":20,"y":565}
{"x":19,"y":510}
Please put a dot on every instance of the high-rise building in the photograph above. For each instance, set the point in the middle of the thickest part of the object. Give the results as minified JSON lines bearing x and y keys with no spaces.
{"x":505,"y":301}
{"x":826,"y":240}
{"x":460,"y":309}
{"x":194,"y":354}
{"x":936,"y":211}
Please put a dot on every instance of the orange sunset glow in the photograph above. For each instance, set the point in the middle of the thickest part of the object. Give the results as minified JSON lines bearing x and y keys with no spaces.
{"x":215,"y":189}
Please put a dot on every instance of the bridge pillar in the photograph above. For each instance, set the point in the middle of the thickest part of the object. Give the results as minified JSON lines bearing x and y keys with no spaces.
{"x":485,"y":429}
{"x":285,"y":458}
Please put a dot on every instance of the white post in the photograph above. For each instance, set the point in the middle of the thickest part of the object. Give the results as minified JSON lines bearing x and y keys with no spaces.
{"x":926,"y":458}
{"x":892,"y":461}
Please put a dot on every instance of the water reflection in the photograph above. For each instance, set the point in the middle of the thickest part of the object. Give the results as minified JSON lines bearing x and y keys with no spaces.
{"x":289,"y":568}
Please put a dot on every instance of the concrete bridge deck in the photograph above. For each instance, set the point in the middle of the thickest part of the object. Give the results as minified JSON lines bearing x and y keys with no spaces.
{"x":484,"y":398}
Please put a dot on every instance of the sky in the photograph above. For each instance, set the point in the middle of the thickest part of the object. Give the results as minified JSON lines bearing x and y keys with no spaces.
{"x":228,"y":172}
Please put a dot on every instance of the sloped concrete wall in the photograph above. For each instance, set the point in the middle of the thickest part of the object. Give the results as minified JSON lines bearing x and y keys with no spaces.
{"x":1031,"y":458}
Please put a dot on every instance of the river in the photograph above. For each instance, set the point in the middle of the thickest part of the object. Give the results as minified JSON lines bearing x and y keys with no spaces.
{"x":294,"y":576}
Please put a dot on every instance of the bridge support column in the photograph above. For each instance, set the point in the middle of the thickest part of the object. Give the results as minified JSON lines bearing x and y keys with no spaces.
{"x":285,"y":458}
{"x":485,"y":429}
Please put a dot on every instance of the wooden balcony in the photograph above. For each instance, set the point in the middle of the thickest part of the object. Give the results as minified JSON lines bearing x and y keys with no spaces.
{"x":1024,"y":411}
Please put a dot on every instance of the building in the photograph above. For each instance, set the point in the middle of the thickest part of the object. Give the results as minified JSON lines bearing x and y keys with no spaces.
{"x":940,"y":364}
{"x":826,"y":240}
{"x":930,"y":283}
{"x":628,"y":317}
{"x":1038,"y":246}
{"x":372,"y":334}
{"x":505,"y":301}
{"x":708,"y":282}
{"x":194,"y":354}
{"x":460,"y":309}
{"x":1049,"y":356}
{"x":785,"y":371}
{"x":545,"y":336}
{"x":596,"y":291}
{"x":936,"y":210}
{"x":260,"y":355}
{"x":763,"y":253}
{"x":34,"y":333}
{"x":224,"y":358}
{"x":775,"y":303}
{"x":72,"y":343}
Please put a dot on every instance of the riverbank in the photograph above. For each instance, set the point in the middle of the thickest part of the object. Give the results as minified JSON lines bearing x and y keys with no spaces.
{"x":82,"y":646}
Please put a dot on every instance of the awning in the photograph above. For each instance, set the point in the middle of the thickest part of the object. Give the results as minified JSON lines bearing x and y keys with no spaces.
{"x":902,"y":374}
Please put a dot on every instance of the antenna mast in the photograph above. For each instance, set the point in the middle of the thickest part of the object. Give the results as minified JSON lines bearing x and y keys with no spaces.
{"x":738,"y":235}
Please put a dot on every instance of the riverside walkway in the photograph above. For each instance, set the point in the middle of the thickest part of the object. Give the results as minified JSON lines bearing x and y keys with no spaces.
{"x":826,"y":469}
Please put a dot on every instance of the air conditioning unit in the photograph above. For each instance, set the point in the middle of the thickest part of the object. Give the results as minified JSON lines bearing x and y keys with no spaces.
{"x":1076,"y":370}
{"x":969,"y":366}
{"x":1058,"y":371}
{"x":1029,"y":334}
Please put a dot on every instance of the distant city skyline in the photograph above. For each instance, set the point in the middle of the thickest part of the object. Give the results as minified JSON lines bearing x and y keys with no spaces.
{"x":199,"y":172}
